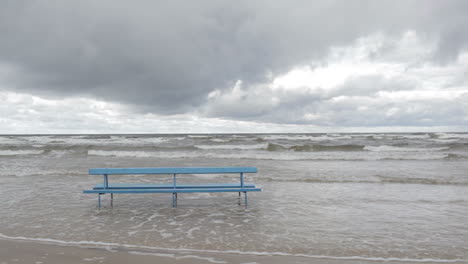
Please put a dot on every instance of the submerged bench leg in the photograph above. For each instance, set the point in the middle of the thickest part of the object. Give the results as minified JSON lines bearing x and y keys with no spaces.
{"x":99,"y":200}
{"x":112,"y":200}
{"x":245,"y":194}
{"x":174,"y":200}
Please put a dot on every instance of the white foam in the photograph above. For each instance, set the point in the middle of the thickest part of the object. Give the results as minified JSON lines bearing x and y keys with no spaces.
{"x":199,"y":136}
{"x":452,"y":136}
{"x":287,"y":155}
{"x":409,"y":136}
{"x":190,"y":232}
{"x":220,"y":140}
{"x":20,"y":152}
{"x":385,"y":148}
{"x":121,"y":153}
{"x":212,"y":260}
{"x":448,"y":140}
{"x":128,"y":246}
{"x":305,"y":137}
{"x":243,"y":147}
{"x":94,"y":258}
{"x":85,"y":140}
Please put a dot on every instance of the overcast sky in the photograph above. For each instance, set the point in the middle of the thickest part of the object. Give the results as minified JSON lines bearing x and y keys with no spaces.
{"x":233,"y":66}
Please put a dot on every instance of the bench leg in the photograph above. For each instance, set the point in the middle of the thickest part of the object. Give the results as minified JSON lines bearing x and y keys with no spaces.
{"x":99,"y":200}
{"x":174,"y":200}
{"x":112,"y":200}
{"x":239,"y":198}
{"x":245,"y":194}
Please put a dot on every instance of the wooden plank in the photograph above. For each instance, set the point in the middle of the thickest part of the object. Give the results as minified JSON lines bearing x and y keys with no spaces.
{"x":208,"y":190}
{"x":170,"y":186}
{"x":181,"y":170}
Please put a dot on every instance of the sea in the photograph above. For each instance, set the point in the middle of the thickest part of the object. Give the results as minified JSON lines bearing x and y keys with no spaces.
{"x":384,"y":196}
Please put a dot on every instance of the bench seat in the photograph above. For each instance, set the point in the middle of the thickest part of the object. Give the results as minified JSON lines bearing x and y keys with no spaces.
{"x":171,"y":186}
{"x":206,"y":190}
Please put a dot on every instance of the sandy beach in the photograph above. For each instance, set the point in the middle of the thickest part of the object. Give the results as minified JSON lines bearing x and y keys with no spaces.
{"x":21,"y":251}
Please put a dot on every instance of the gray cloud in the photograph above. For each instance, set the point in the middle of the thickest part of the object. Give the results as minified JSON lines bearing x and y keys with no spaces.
{"x":366,"y":100}
{"x":166,"y":57}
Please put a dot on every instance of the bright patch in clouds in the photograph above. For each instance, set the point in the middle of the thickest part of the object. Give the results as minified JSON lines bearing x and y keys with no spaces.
{"x":377,"y":81}
{"x":344,"y":63}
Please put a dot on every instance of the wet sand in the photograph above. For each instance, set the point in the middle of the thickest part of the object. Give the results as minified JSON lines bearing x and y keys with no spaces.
{"x":22,"y":251}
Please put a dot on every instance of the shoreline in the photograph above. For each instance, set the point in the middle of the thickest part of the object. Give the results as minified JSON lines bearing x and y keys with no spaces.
{"x":24,"y":250}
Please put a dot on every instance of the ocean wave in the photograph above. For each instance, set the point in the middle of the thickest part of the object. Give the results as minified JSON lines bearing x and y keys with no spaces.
{"x":349,"y":147}
{"x":127,"y":247}
{"x":262,"y":155}
{"x":444,"y":141}
{"x":276,"y":147}
{"x":146,"y":154}
{"x":452,"y":135}
{"x":20,"y":152}
{"x":314,"y":148}
{"x":242,"y":147}
{"x":319,"y":137}
{"x":452,"y":156}
{"x":6,"y":140}
{"x":200,"y":136}
{"x":413,"y":136}
{"x":385,"y":148}
{"x":122,"y":153}
{"x":256,"y":152}
{"x":220,"y":140}
{"x":93,"y":137}
{"x":98,"y":140}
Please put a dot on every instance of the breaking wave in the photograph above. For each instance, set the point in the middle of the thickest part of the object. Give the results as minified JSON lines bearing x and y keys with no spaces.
{"x":350,"y":147}
{"x":258,"y":146}
{"x":244,"y":147}
{"x":20,"y":152}
{"x":265,"y":155}
{"x":386,"y":148}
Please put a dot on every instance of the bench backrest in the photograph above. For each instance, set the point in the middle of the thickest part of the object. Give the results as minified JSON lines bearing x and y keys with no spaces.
{"x":186,"y":170}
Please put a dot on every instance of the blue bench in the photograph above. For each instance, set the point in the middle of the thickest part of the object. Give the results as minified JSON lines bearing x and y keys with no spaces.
{"x":173,"y":188}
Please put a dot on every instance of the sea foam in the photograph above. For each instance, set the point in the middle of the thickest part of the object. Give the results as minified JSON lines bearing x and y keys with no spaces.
{"x":20,"y":152}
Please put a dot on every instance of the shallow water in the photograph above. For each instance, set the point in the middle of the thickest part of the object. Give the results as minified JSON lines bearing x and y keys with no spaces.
{"x":371,"y":196}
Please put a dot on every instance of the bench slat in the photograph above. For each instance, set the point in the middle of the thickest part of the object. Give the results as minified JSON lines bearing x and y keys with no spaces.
{"x":173,"y":190}
{"x":170,"y":186}
{"x":187,"y":170}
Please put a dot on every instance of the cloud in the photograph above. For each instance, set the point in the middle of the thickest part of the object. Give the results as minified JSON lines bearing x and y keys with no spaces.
{"x":251,"y":61}
{"x":24,"y":113}
{"x":356,"y":90}
{"x":161,"y":54}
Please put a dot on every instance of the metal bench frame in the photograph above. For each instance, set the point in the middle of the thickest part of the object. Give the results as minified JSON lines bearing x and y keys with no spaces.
{"x":173,"y":188}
